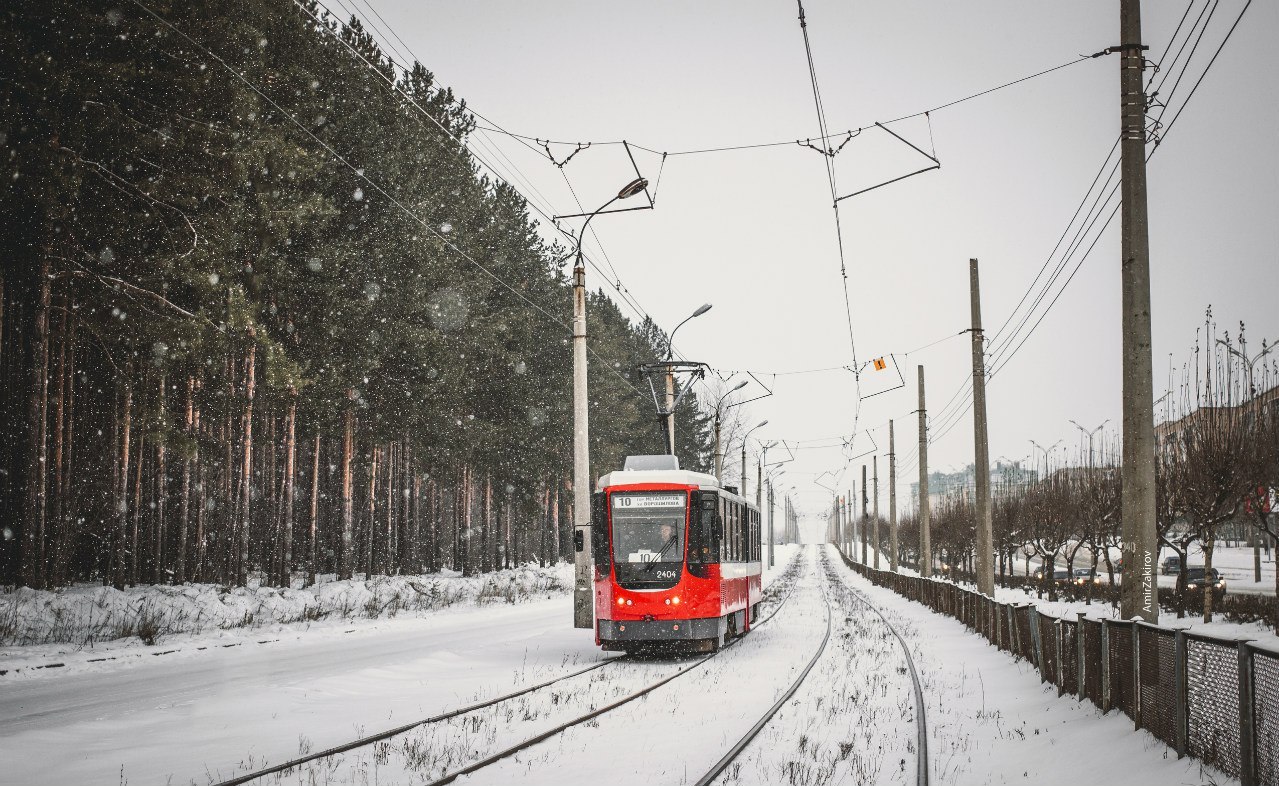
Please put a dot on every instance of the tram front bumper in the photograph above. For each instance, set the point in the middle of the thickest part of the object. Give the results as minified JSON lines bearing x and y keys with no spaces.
{"x":663,"y":630}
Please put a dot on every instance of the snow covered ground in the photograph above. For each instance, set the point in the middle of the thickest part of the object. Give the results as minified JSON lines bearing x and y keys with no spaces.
{"x":991,"y":720}
{"x":199,"y":716}
{"x":206,"y":711}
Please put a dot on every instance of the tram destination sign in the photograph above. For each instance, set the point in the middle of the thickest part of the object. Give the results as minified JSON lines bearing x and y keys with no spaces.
{"x":632,"y":501}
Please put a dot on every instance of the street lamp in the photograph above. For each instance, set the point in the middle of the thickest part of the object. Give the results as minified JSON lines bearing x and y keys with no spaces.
{"x":1046,"y":451}
{"x":1090,"y":436}
{"x":1248,"y":364}
{"x":583,"y":597}
{"x":762,"y":423}
{"x":719,"y":456}
{"x":670,"y":378}
{"x":772,"y":488}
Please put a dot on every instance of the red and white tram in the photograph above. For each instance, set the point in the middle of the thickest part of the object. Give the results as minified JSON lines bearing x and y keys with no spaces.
{"x":677,"y":558}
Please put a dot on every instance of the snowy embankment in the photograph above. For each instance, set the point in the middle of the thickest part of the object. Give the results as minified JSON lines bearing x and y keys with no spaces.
{"x":43,"y":623}
{"x":992,"y":720}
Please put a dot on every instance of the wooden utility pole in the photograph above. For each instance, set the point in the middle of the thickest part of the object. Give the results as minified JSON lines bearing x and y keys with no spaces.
{"x":892,"y":499}
{"x":865,"y":501}
{"x":874,"y":533}
{"x":1138,"y":598}
{"x":985,"y":539}
{"x":925,"y":547}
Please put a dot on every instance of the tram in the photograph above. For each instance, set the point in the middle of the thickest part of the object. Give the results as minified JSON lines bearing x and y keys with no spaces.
{"x":677,"y":558}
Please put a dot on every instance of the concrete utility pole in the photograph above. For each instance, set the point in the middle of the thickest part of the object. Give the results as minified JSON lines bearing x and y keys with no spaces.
{"x":985,"y":537}
{"x":925,"y":547}
{"x":1138,"y":594}
{"x":670,"y":407}
{"x":892,"y":499}
{"x":850,"y":521}
{"x":874,"y":460}
{"x":583,"y":596}
{"x":770,"y":525}
{"x":865,"y":501}
{"x":583,"y":568}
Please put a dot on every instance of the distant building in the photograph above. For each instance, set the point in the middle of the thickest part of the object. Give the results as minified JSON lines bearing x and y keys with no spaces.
{"x":1264,"y":403}
{"x":963,"y":484}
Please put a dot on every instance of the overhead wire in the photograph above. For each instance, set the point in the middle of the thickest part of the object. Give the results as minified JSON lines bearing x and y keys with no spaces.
{"x":828,"y":160}
{"x":1094,"y":215}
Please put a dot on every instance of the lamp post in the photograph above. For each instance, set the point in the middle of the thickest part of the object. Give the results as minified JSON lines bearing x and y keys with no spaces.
{"x":772,"y":481}
{"x":583,"y":597}
{"x":670,"y":379}
{"x":762,"y":423}
{"x":719,"y":455}
{"x":1046,"y":451}
{"x":1090,"y":434}
{"x":1248,"y":364}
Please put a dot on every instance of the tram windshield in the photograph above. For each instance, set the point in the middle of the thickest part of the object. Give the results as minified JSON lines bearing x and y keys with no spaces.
{"x":649,"y":526}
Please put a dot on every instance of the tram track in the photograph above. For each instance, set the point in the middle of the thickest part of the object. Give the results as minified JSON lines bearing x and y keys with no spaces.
{"x":921,"y":739}
{"x":789,"y":579}
{"x":921,"y":724}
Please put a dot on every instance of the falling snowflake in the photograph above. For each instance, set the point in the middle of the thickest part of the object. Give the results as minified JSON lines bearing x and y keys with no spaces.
{"x":358,"y":195}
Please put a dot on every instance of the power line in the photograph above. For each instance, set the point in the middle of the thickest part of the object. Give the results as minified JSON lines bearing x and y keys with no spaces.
{"x":826,"y":136}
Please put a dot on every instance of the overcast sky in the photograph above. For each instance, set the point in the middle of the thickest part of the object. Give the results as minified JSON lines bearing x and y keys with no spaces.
{"x":753,"y":231}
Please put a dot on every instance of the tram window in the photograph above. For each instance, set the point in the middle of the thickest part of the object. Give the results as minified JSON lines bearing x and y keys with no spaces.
{"x":737,"y":533}
{"x":723,"y":530}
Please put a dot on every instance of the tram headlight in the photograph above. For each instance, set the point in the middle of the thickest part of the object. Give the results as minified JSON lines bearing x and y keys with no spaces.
{"x":621,"y":601}
{"x":675,"y":600}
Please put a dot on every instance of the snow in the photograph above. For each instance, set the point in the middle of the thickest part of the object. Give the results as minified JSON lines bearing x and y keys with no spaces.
{"x":198,"y":716}
{"x":991,"y":720}
{"x":86,"y":623}
{"x":223,"y":702}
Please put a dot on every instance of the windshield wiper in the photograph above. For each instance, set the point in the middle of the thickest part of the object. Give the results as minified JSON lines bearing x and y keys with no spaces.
{"x":661,"y":553}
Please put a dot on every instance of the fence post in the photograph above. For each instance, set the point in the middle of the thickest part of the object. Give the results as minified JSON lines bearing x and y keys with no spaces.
{"x":1106,"y":701}
{"x":1080,"y":667}
{"x":1247,"y":718}
{"x":1061,"y":678}
{"x":1136,"y":675}
{"x":1036,"y":643}
{"x":1180,"y":692}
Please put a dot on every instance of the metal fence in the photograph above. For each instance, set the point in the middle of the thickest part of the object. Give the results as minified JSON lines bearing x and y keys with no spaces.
{"x":1214,"y":699}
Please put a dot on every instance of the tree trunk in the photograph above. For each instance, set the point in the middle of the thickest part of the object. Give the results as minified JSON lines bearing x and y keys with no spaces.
{"x":433,"y":526}
{"x":408,"y":527}
{"x":388,"y":556}
{"x":246,"y":477}
{"x":60,"y":558}
{"x":414,"y":561}
{"x":486,"y":521}
{"x":226,"y":552}
{"x":371,"y":528}
{"x":315,"y":509}
{"x":1208,"y":585}
{"x":135,"y":543}
{"x":161,"y":469}
{"x":348,"y":510}
{"x":124,"y":419}
{"x":68,"y":507}
{"x":465,"y":528}
{"x":290,"y":456}
{"x":34,"y":520}
{"x":184,"y":503}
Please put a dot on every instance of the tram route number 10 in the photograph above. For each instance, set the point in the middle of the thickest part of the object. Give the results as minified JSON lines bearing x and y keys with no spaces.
{"x":648,"y":501}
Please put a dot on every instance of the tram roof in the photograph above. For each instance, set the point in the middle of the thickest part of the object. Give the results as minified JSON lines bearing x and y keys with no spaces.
{"x":675,"y":477}
{"x":680,"y":477}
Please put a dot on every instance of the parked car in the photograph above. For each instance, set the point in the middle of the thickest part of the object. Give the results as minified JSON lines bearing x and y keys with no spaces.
{"x":1197,"y":582}
{"x":1171,"y":566}
{"x":1084,"y":576}
{"x":1060,"y":576}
